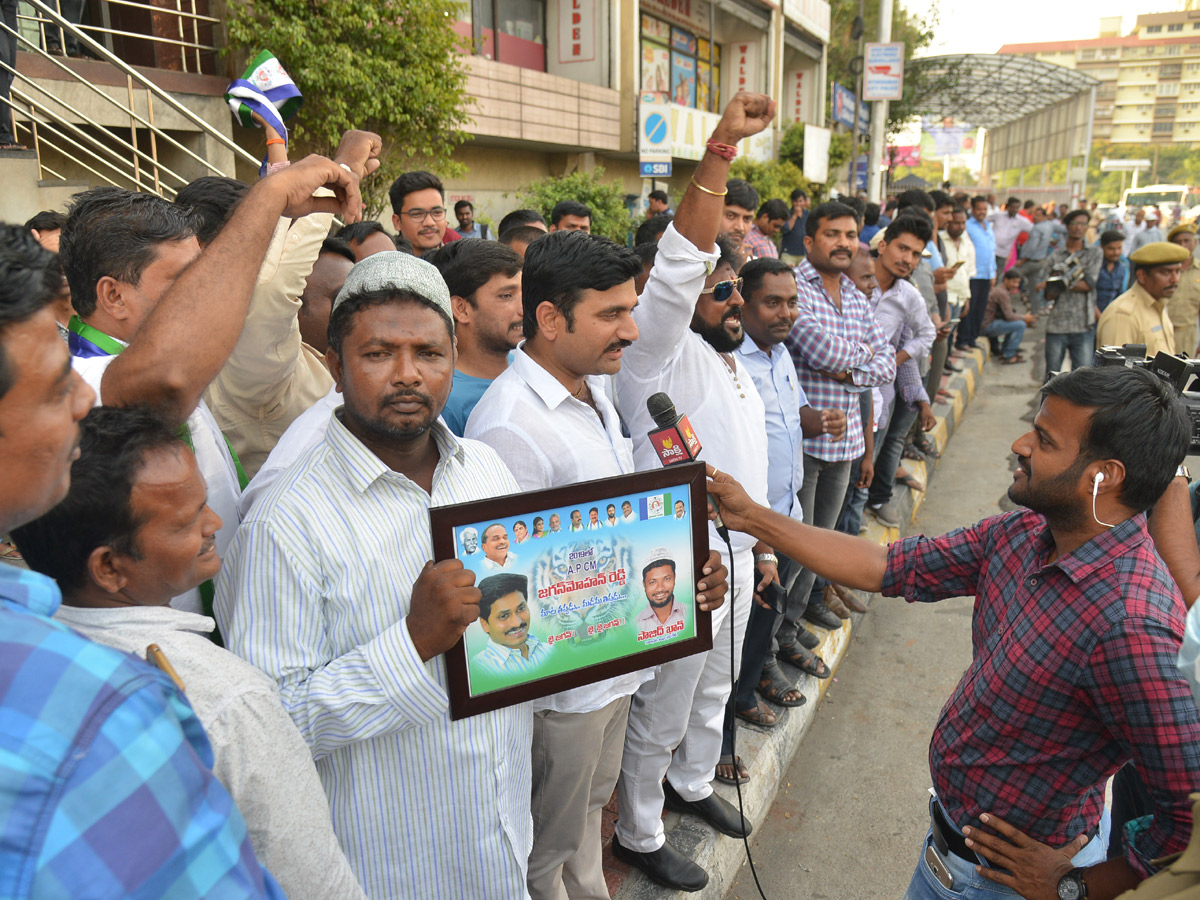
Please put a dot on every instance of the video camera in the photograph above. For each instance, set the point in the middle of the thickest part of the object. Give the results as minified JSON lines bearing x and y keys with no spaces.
{"x":1060,"y":278}
{"x":1174,"y":370}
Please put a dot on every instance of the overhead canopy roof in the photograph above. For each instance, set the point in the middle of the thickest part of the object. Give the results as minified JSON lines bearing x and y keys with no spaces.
{"x":991,"y":90}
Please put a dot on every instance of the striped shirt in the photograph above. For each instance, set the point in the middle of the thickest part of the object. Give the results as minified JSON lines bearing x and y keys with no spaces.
{"x":826,"y":339}
{"x":105,"y":786}
{"x":315,"y":592}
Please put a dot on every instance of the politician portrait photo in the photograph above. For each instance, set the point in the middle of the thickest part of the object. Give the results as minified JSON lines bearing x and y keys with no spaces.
{"x":661,"y":609}
{"x":495,"y":548}
{"x":504,"y":617}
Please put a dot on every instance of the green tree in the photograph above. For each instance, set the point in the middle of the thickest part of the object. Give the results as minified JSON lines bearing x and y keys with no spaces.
{"x":606,"y":200}
{"x":773,"y":180}
{"x":791,"y":150}
{"x":390,"y":66}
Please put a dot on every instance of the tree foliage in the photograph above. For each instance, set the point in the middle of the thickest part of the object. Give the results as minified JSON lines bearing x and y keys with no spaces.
{"x":773,"y":180}
{"x":1171,"y":164}
{"x":606,"y":200}
{"x":390,"y":66}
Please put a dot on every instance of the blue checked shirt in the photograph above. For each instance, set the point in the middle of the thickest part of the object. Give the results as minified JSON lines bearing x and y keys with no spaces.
{"x":105,"y":781}
{"x":826,"y":340}
{"x":1111,"y":284}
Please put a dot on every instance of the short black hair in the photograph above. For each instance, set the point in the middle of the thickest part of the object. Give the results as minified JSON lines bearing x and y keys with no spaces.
{"x":908,"y":222}
{"x":830,"y":209}
{"x":1016,"y":200}
{"x":1111,"y":237}
{"x":47,"y":220}
{"x":858,"y":205}
{"x":871,"y":214}
{"x":409,"y":182}
{"x":520,"y":234}
{"x":338,"y":246}
{"x":739,"y":193}
{"x":1137,"y":419}
{"x":646,"y":253}
{"x":915,"y":198}
{"x":464,"y":204}
{"x":755,"y":270}
{"x":660,"y":196}
{"x":652,"y":229}
{"x":773,"y":209}
{"x":941,"y":199}
{"x":518,"y":217}
{"x":1075,"y":214}
{"x":656,"y":563}
{"x":798,"y":194}
{"x":30,"y":278}
{"x":212,"y":200}
{"x":466,"y":266}
{"x":726,"y":254}
{"x":560,"y":266}
{"x":568,"y":208}
{"x":977,"y":199}
{"x":1011,"y":273}
{"x":1029,"y":204}
{"x":357,"y":232}
{"x":959,"y":208}
{"x":494,"y":587}
{"x":115,"y":443}
{"x":114,"y":232}
{"x":341,"y":320}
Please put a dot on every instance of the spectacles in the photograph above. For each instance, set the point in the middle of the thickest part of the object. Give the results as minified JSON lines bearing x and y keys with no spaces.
{"x":418,"y":215}
{"x":723,"y":290}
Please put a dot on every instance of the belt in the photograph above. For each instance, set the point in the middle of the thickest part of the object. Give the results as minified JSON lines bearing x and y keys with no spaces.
{"x":947,"y":840}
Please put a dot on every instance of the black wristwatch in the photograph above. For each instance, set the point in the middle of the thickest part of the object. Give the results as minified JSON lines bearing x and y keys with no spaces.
{"x":1071,"y":886}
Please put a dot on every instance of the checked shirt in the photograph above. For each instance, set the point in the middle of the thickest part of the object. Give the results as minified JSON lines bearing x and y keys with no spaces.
{"x":825,"y":339}
{"x":1073,"y":673}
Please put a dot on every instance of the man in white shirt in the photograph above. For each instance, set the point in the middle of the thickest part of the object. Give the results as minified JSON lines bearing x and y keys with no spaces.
{"x":132,"y":532}
{"x":550,"y":419}
{"x":329,"y":589}
{"x":1007,"y":224}
{"x":612,"y":521}
{"x":495,"y":548}
{"x":690,"y":312}
{"x":960,"y":255}
{"x":627,"y":513}
{"x":152,"y":329}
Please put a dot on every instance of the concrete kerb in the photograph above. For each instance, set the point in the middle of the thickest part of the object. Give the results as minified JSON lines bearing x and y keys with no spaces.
{"x":769,"y":752}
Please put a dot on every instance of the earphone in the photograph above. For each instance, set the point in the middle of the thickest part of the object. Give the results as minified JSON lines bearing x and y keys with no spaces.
{"x":1099,"y":477}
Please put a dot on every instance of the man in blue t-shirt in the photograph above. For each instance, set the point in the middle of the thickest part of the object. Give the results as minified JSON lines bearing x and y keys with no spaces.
{"x":484,"y":278}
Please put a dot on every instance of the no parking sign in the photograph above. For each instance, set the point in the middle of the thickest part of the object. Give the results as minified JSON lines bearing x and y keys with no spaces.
{"x":654,"y":139}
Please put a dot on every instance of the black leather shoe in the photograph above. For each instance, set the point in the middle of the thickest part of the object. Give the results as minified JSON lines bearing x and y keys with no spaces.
{"x":720,"y":814}
{"x":820,"y":614}
{"x":665,"y":866}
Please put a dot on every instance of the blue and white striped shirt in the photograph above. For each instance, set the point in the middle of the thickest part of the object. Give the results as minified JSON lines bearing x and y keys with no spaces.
{"x":314,"y":592}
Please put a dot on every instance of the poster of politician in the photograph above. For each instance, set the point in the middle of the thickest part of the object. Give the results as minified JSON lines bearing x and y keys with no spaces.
{"x":577,"y":584}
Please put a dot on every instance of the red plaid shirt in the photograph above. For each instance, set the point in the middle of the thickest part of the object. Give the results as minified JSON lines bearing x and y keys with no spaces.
{"x":759,"y":245}
{"x":1074,"y":672}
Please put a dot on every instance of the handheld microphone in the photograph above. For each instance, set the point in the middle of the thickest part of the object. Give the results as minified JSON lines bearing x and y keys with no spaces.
{"x":675,"y":442}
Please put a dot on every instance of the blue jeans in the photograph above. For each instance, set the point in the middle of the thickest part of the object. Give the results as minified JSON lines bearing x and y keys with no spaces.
{"x":968,"y":884}
{"x":1081,"y":344}
{"x":891,"y":450}
{"x":1012,"y":332}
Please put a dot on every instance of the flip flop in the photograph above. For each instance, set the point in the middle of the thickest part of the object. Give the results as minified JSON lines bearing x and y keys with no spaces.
{"x":775,"y":688}
{"x":804,"y":660}
{"x":910,"y":481}
{"x":760,"y":715}
{"x":734,"y":762}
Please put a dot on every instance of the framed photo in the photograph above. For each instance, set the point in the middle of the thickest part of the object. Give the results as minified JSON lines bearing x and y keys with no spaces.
{"x":579,"y":583}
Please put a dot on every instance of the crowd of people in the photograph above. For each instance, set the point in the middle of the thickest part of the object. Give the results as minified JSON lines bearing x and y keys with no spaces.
{"x":226,"y":422}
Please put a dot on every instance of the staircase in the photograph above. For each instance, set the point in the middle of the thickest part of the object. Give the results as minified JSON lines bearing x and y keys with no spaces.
{"x":101,"y":120}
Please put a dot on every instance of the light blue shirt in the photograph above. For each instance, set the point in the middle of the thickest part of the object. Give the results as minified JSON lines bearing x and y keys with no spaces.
{"x":935,"y":255}
{"x":500,"y":660}
{"x":465,"y":392}
{"x":1043,"y":235}
{"x":775,"y":377}
{"x":984,"y":239}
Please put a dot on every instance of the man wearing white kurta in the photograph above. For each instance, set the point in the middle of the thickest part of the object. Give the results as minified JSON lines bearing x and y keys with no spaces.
{"x":690,"y":290}
{"x":549,"y":418}
{"x":328,"y":588}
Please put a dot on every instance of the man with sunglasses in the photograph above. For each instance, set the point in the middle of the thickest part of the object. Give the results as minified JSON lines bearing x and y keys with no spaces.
{"x":419,"y":211}
{"x":689,"y":319}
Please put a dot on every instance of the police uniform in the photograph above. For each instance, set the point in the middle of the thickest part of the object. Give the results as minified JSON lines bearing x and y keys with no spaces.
{"x":1135,"y":317}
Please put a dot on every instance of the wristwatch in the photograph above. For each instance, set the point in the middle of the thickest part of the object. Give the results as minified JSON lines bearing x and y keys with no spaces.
{"x":1183,"y":472}
{"x":1071,"y":886}
{"x":767,"y":557}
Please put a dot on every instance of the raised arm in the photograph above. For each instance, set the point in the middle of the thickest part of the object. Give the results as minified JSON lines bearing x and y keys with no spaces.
{"x":188,"y":336}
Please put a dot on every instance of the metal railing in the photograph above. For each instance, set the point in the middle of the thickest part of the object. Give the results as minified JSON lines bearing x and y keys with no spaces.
{"x":124,"y":155}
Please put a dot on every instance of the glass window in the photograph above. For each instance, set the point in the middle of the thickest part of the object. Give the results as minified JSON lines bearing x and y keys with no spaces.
{"x":1163,"y":127}
{"x":1153,"y":29}
{"x":522,"y":31}
{"x":1178,"y":27}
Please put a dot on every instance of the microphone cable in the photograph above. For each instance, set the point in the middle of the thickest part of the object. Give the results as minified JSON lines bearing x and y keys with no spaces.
{"x":733,"y":675}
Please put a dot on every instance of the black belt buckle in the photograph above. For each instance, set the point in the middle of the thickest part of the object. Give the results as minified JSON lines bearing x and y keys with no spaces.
{"x":947,"y":840}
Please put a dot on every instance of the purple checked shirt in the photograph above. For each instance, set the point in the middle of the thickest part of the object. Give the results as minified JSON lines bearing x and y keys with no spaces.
{"x":826,"y":339}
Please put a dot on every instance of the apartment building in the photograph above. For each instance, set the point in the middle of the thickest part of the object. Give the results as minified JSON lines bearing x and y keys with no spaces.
{"x":1149,"y":89}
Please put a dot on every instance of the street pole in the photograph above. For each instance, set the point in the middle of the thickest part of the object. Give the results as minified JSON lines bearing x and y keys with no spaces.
{"x":879,"y":114}
{"x":857,"y":106}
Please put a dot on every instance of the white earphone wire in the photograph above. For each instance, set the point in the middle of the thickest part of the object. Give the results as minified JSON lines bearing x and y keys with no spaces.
{"x":1095,"y":490}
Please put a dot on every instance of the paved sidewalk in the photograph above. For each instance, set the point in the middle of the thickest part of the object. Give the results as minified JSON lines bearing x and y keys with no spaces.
{"x":768,"y":753}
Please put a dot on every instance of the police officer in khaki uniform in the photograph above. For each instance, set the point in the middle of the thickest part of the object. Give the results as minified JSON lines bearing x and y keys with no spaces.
{"x":1184,"y":307}
{"x":1139,"y":316}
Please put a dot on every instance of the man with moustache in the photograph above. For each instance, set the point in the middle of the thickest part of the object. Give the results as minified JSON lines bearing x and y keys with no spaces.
{"x":330,"y":589}
{"x":484,"y":279}
{"x":691,"y":306}
{"x":1140,"y":314}
{"x":504,"y":617}
{"x":419,"y":211}
{"x":1071,"y":326}
{"x":737,"y":218}
{"x":658,"y":581}
{"x":839,"y":351}
{"x":549,"y":417}
{"x":1077,"y":627}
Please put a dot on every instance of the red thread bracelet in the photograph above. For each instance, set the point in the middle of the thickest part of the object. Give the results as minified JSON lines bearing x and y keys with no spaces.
{"x":725,"y":151}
